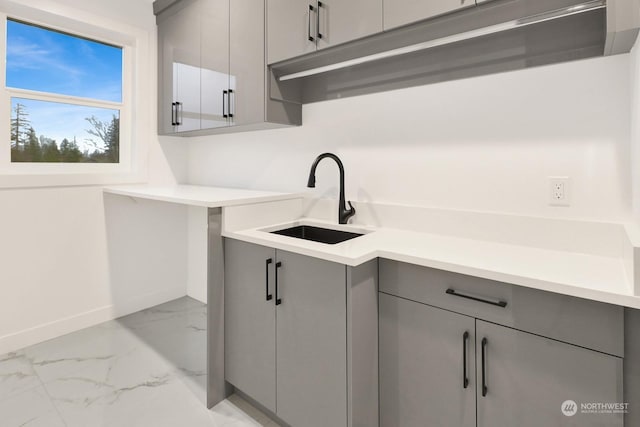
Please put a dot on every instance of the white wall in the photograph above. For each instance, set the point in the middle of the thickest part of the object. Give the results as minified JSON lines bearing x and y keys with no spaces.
{"x":69,"y":257}
{"x":634,"y":158}
{"x":486,"y":143}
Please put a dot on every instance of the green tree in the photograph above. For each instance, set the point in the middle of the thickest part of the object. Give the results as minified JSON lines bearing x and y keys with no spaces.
{"x":20,"y":125}
{"x":50,"y":152}
{"x":32,"y":149}
{"x":108,"y":133}
{"x":69,"y":151}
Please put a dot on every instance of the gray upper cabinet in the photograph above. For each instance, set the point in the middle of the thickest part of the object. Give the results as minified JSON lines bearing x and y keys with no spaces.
{"x":427,"y":366}
{"x":212,"y":69}
{"x":250,"y":320}
{"x":296,"y":27}
{"x":247,"y":63}
{"x":215,"y":77}
{"x":402,"y":12}
{"x":179,"y":67}
{"x":528,"y":378}
{"x":341,"y":21}
{"x":291,"y":28}
{"x":193,"y":58}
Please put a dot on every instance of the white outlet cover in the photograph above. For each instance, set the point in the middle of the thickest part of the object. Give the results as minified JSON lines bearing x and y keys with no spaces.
{"x":559,"y":191}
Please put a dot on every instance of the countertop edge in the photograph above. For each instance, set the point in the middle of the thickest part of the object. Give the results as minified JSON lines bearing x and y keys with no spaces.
{"x":575,"y":290}
{"x":202,"y":202}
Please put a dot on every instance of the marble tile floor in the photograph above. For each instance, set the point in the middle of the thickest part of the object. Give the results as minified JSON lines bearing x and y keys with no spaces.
{"x":143,"y":370}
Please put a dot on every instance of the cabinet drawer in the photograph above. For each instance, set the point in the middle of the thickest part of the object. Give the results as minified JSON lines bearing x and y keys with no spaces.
{"x":586,"y":323}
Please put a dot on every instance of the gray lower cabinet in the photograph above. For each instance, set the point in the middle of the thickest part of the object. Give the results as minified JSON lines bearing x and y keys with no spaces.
{"x":527,"y":379}
{"x":297,"y":27}
{"x":288,"y":319}
{"x":402,"y":12}
{"x":427,"y":366}
{"x":511,"y":378}
{"x":250,"y":320}
{"x":311,"y":339}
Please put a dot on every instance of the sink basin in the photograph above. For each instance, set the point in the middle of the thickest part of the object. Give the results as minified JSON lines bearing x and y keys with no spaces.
{"x":317,"y":234}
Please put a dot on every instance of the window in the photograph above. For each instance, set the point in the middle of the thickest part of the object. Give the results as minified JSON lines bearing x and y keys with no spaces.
{"x":66,"y":94}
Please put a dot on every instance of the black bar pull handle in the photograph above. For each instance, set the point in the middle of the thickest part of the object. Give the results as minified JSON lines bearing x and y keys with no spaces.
{"x":178,"y":111}
{"x":224,"y":104}
{"x":465,"y":378}
{"x":173,"y":114}
{"x":266,"y":280}
{"x":484,"y":367}
{"x":278,"y":299}
{"x":455,"y":293}
{"x":229,"y":103}
{"x":318,"y":20}
{"x":309,"y":28}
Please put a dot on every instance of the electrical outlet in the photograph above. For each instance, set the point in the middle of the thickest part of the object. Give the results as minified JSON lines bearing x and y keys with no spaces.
{"x":559,"y":191}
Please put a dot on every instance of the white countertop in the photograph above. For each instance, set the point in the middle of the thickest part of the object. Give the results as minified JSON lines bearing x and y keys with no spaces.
{"x":590,"y":276}
{"x":195,"y":195}
{"x":593,"y":277}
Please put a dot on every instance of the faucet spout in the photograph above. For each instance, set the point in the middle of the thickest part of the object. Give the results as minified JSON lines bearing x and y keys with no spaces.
{"x":343,"y":213}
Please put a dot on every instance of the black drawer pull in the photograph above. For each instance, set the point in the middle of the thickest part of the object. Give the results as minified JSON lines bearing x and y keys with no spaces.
{"x":278,"y":299}
{"x":498,"y":303}
{"x":465,"y":378}
{"x":484,"y":364}
{"x":224,"y":104}
{"x":318,"y":20}
{"x":179,"y":110}
{"x":309,"y":23}
{"x":173,"y":114}
{"x":266,"y":280}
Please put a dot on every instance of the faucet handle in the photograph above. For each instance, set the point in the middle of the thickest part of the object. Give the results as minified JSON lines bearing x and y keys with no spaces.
{"x":351,"y":212}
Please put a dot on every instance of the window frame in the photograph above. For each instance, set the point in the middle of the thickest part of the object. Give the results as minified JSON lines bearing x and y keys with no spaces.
{"x":133,"y":146}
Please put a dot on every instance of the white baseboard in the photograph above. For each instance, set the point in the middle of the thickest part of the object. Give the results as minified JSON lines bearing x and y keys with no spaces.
{"x":18,"y":340}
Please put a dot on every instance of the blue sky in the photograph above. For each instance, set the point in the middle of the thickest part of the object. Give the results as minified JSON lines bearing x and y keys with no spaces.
{"x":48,"y":61}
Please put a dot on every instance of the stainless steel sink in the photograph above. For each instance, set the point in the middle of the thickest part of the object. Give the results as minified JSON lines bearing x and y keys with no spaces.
{"x":317,"y":234}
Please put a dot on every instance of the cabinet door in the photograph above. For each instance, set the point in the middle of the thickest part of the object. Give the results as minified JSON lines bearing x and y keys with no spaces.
{"x":214,"y":64}
{"x":342,"y":21}
{"x":250,"y":351}
{"x":178,"y":56}
{"x":528,"y":378}
{"x":311,"y":341}
{"x":247,"y":62}
{"x":422,"y":369}
{"x":290,"y":24}
{"x":402,"y":12}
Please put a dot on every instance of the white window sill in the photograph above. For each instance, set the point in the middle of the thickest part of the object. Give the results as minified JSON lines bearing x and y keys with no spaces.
{"x":9,"y":181}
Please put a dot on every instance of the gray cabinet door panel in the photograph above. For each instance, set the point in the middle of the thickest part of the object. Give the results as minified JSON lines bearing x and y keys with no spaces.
{"x":342,"y":21}
{"x":247,"y":62}
{"x":214,"y":62}
{"x":250,"y":353}
{"x":529,"y":378}
{"x":421,"y":366}
{"x":289,"y":23}
{"x":402,"y":12}
{"x":178,"y":52}
{"x":311,"y":342}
